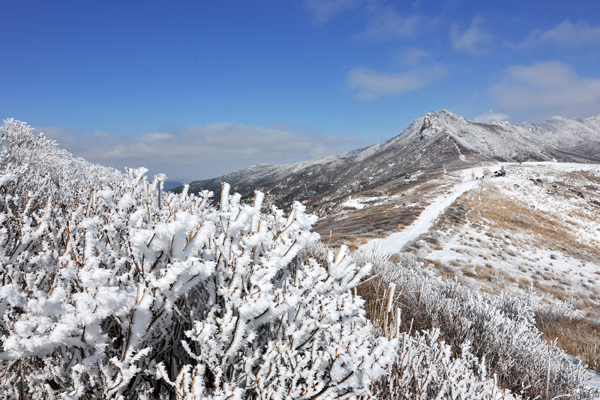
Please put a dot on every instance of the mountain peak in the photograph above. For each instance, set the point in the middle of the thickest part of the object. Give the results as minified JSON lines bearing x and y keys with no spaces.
{"x":438,"y":141}
{"x":436,"y":122}
{"x":444,"y":115}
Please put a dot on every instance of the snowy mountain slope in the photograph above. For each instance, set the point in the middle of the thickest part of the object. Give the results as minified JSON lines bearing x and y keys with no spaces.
{"x":576,"y":136}
{"x":439,"y":140}
{"x":537,"y":226}
{"x":535,"y":230}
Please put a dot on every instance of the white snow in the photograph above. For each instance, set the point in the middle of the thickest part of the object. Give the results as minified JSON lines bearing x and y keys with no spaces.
{"x":594,"y":381}
{"x":362,"y":202}
{"x":396,"y":241}
{"x":516,"y":250}
{"x":353,"y":203}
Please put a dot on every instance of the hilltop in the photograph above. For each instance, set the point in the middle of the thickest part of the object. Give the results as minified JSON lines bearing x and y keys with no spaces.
{"x":439,"y":140}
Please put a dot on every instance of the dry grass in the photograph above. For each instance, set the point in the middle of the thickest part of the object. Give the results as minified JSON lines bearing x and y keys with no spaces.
{"x":416,"y":315}
{"x":487,"y":273}
{"x":556,"y":291}
{"x":469,"y":273}
{"x":523,"y":283}
{"x":445,"y":271}
{"x":357,"y":226}
{"x":577,"y":336}
{"x":453,"y":216}
{"x":545,"y":229}
{"x":375,"y":290}
{"x":377,"y":295}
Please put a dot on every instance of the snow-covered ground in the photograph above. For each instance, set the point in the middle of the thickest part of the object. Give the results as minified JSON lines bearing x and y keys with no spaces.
{"x":362,"y":202}
{"x":538,"y":226}
{"x":396,"y":241}
{"x":594,"y":381}
{"x":353,"y":203}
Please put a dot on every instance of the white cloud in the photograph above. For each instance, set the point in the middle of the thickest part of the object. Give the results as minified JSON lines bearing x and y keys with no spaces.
{"x":564,"y":34}
{"x":370,"y":84}
{"x":492,"y":116}
{"x":323,"y":10}
{"x":200,"y":152}
{"x":473,"y":40}
{"x":567,"y":33}
{"x":101,"y":134}
{"x":543,"y":90}
{"x":386,"y":24}
{"x":413,"y":56}
{"x":383,"y":23}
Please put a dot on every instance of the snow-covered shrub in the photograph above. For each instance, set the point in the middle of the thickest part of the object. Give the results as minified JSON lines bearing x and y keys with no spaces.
{"x":500,"y":330}
{"x":275,"y":326}
{"x":39,"y":160}
{"x":426,"y":368}
{"x":111,"y":288}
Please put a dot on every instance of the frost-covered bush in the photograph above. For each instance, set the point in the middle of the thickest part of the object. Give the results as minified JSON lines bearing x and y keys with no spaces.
{"x":500,"y":330}
{"x":426,"y":368}
{"x":111,"y":288}
{"x":42,"y":162}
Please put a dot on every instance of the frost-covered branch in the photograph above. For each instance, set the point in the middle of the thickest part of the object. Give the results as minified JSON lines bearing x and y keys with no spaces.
{"x":111,"y":288}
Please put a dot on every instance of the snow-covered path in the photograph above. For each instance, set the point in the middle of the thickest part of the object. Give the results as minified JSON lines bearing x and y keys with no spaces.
{"x":396,"y":241}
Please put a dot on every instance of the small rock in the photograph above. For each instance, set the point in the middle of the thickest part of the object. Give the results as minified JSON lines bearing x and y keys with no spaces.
{"x":577,"y":192}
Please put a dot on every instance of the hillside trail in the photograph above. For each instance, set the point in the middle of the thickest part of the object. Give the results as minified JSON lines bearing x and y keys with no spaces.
{"x":396,"y":241}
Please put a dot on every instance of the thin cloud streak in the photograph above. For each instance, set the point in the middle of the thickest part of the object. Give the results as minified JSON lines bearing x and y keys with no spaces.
{"x":370,"y":84}
{"x":323,"y":10}
{"x":413,"y":57}
{"x":492,"y":116}
{"x":200,"y":152}
{"x":543,"y":90}
{"x":383,"y":22}
{"x":564,"y":34}
{"x":386,"y":24}
{"x":474,"y":39}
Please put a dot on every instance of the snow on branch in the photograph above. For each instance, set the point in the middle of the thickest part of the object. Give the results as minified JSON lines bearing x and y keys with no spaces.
{"x":112,"y":288}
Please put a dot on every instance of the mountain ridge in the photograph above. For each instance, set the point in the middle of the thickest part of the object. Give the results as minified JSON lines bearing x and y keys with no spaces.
{"x":438,"y":141}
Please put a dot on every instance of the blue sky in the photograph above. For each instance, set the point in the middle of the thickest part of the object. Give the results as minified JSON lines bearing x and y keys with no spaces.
{"x":196,"y":89}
